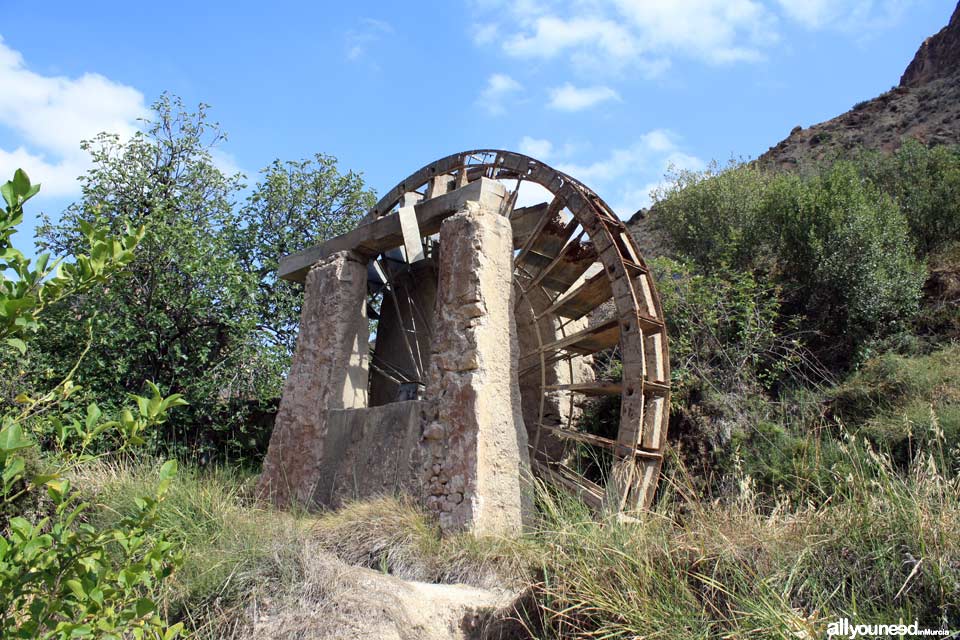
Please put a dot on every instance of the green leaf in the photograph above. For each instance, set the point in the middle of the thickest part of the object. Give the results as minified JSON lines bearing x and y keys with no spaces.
{"x":7,"y":190}
{"x":18,"y":344}
{"x":93,"y":414}
{"x":42,"y":261}
{"x":13,"y":468}
{"x":144,"y":607}
{"x":21,"y":527}
{"x":12,"y":439}
{"x":77,"y":588}
{"x":21,"y":183}
{"x":168,"y":470}
{"x":173,"y":631}
{"x":42,"y":479}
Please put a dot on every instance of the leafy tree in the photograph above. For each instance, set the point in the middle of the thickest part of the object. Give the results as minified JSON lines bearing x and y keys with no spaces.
{"x":182,"y":315}
{"x":200,"y":310}
{"x":295,"y":205}
{"x":61,"y":578}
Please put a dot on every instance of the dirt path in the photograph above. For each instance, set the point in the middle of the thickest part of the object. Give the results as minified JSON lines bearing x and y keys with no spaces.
{"x":335,"y":600}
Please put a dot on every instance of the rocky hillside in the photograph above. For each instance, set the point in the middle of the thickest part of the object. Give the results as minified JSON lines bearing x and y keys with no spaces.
{"x":925,"y":105}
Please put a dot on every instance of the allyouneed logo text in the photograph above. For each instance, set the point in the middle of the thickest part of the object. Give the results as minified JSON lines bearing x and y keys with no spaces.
{"x":843,"y":628}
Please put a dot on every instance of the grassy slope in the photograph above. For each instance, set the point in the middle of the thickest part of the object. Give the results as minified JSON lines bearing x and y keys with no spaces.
{"x":885,"y":546}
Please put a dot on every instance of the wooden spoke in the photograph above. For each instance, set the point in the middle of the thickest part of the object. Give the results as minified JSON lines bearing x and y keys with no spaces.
{"x":606,"y":443}
{"x":590,"y":340}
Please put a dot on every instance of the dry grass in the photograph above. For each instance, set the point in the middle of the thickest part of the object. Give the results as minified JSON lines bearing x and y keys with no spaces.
{"x":885,"y":546}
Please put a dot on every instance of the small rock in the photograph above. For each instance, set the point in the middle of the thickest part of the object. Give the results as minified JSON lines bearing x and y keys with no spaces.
{"x":433,"y":431}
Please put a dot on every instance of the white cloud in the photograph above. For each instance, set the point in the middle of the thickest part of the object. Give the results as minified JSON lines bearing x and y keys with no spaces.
{"x":646,"y":35}
{"x":51,"y":115}
{"x":810,"y":13}
{"x":485,"y":33}
{"x":714,"y":31}
{"x":360,"y":40}
{"x":852,"y":16}
{"x":225,"y":162}
{"x":499,"y":86}
{"x":571,"y":98}
{"x":627,"y":175}
{"x":643,"y":34}
{"x":550,"y":35}
{"x":639,"y":156}
{"x":539,"y":149}
{"x":58,"y":178}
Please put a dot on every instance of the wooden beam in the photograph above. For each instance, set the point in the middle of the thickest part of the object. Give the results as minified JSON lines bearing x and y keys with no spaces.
{"x":385,"y":233}
{"x":587,"y":491}
{"x":412,"y":242}
{"x":590,"y":340}
{"x":524,"y":220}
{"x":595,"y":388}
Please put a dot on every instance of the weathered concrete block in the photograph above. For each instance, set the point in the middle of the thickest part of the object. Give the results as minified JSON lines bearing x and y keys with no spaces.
{"x":473,"y":426}
{"x":370,"y":452}
{"x":329,"y":371}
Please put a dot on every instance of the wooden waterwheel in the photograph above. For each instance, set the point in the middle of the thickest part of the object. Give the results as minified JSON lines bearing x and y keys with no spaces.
{"x":583,"y":296}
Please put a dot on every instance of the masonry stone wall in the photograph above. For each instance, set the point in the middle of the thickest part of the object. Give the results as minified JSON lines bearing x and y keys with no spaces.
{"x":474,"y":439}
{"x":329,"y":371}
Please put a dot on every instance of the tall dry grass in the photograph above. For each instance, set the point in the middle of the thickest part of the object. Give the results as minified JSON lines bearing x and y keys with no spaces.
{"x":883,"y":547}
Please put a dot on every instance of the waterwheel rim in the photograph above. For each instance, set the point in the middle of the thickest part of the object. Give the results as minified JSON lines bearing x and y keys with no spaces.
{"x":576,"y":256}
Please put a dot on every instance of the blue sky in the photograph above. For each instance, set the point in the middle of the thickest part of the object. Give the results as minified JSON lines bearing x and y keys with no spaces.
{"x":614,"y":92}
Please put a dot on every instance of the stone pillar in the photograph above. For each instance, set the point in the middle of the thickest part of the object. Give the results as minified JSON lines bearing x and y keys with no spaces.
{"x":476,"y":464}
{"x":329,"y":371}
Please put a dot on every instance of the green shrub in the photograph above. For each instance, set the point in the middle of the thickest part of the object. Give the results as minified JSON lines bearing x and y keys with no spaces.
{"x":836,"y":246}
{"x":711,"y":217}
{"x":844,"y":258}
{"x":723,"y":328}
{"x":939,"y":317}
{"x":59,"y":577}
{"x":925,"y":182}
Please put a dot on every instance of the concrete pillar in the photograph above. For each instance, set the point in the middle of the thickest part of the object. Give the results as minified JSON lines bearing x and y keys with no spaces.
{"x":329,"y":371}
{"x":476,"y":464}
